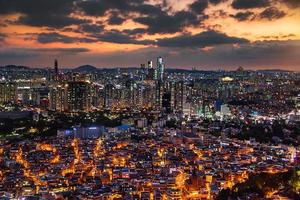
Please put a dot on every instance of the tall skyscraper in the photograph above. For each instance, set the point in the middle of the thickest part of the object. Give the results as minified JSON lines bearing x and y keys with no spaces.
{"x":109,"y":93}
{"x":179,"y":96}
{"x":150,"y":64}
{"x":160,"y":69}
{"x":158,"y":94}
{"x":8,"y":92}
{"x":151,"y":71}
{"x":79,"y":98}
{"x":56,"y":67}
{"x":143,"y":71}
{"x":58,"y":98}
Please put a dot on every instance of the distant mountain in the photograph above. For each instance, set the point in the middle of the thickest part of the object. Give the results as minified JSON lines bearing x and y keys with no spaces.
{"x":86,"y":69}
{"x":273,"y":71}
{"x":14,"y":68}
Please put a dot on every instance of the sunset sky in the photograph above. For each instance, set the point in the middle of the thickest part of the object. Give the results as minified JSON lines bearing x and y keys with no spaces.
{"x":207,"y":34}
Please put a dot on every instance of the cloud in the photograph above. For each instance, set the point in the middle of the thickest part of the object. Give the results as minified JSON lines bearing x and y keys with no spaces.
{"x":91,"y":28}
{"x":115,"y":19}
{"x":248,"y":4}
{"x":115,"y":36}
{"x":51,"y":13}
{"x":112,"y":36}
{"x":135,"y":31}
{"x":216,"y":1}
{"x":51,"y":20}
{"x":35,"y":7}
{"x":165,"y":23}
{"x":64,"y":50}
{"x":272,"y":13}
{"x":154,"y":17}
{"x":100,"y":7}
{"x":204,"y":39}
{"x":56,"y":37}
{"x":199,"y":6}
{"x":243,"y":16}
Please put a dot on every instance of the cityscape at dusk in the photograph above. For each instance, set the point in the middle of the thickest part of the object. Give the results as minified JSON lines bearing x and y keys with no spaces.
{"x":150,"y":100}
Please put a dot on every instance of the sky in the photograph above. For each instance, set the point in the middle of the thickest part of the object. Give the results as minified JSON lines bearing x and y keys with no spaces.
{"x":202,"y":34}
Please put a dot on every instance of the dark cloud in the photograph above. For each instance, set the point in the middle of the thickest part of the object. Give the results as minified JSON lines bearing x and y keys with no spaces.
{"x":115,"y":36}
{"x":115,"y":19}
{"x":165,"y":23}
{"x":135,"y":31}
{"x":91,"y":28}
{"x":93,"y":8}
{"x":216,"y":1}
{"x":64,"y":50}
{"x":248,"y":4}
{"x":199,"y":6}
{"x":51,"y":20}
{"x":100,"y":7}
{"x":204,"y":39}
{"x":243,"y":16}
{"x":146,"y":9}
{"x":272,"y":13}
{"x":153,"y":16}
{"x":56,"y":37}
{"x":51,"y":13}
{"x":43,"y":7}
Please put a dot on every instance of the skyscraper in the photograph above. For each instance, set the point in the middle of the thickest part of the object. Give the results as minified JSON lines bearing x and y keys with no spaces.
{"x":79,"y":99}
{"x":151,"y":71}
{"x":160,"y":69}
{"x":8,"y":92}
{"x":58,"y":97}
{"x":56,"y":67}
{"x":150,"y":64}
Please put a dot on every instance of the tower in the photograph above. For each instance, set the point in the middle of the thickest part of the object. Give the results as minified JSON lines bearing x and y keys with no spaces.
{"x":56,"y":67}
{"x":160,"y":69}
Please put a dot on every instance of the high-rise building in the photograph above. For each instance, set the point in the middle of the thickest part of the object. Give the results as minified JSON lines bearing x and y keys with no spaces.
{"x":56,"y":67}
{"x":109,"y":91}
{"x":143,"y":71}
{"x":58,"y":98}
{"x":79,"y":97}
{"x":158,"y":94}
{"x":150,"y":64}
{"x":166,"y":102}
{"x":179,"y":96}
{"x":8,"y":92}
{"x":160,"y":69}
{"x":151,"y":71}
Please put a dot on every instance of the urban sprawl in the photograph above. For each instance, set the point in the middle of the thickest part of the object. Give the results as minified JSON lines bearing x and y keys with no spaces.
{"x":148,"y":133}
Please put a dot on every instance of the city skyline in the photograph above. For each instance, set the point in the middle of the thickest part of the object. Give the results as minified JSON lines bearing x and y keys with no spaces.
{"x":206,"y":34}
